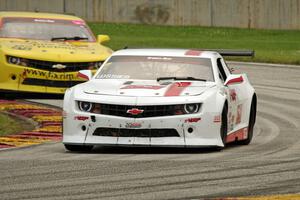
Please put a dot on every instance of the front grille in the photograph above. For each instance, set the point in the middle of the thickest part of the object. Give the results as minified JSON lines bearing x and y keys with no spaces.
{"x":148,"y":111}
{"x":50,"y":83}
{"x":47,"y":65}
{"x":123,"y":132}
{"x":53,"y":66}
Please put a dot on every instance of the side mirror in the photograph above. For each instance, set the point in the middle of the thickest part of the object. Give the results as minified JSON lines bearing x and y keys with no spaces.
{"x":234,"y":79}
{"x":102,"y":38}
{"x":85,"y":74}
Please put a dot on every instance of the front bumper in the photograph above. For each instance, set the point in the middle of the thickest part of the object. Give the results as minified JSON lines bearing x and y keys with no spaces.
{"x":15,"y":78}
{"x":193,"y":130}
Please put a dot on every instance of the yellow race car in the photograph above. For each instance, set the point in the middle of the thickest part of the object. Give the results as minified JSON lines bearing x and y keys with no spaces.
{"x":42,"y":52}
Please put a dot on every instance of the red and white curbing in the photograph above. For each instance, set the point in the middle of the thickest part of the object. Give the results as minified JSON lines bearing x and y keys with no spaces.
{"x":48,"y":120}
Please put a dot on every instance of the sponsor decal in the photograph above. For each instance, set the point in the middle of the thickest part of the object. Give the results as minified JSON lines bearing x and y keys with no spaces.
{"x":81,"y":118}
{"x":52,"y":45}
{"x":133,"y":125}
{"x":159,"y":58}
{"x":44,"y":20}
{"x":177,"y":88}
{"x":239,"y":114}
{"x":135,"y":111}
{"x":22,"y":47}
{"x":150,"y":87}
{"x":232,"y":95}
{"x":192,"y":120}
{"x":23,"y":75}
{"x":237,"y":135}
{"x":113,"y":76}
{"x":217,"y":119}
{"x":47,"y":75}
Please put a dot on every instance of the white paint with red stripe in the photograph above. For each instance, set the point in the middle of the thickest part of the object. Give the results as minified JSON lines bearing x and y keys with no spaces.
{"x":197,"y":129}
{"x":177,"y":88}
{"x":150,"y":88}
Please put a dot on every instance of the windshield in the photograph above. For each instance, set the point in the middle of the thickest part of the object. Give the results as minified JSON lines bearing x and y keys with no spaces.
{"x":154,"y":67}
{"x":44,"y":29}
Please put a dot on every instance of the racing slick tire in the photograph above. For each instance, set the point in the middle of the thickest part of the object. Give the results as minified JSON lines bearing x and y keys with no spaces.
{"x":80,"y":148}
{"x":252,"y":118}
{"x":223,"y":129}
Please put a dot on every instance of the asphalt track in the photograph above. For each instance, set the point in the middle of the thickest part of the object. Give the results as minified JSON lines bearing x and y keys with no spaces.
{"x":269,"y":165}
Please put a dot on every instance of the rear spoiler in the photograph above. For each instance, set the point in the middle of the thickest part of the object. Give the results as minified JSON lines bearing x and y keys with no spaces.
{"x":231,"y":52}
{"x":223,"y":52}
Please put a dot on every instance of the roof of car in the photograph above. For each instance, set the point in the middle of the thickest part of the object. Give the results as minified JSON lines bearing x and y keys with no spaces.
{"x":166,"y":52}
{"x":38,"y":15}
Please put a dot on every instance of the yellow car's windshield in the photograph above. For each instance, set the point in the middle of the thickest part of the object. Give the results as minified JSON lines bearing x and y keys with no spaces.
{"x":45,"y":29}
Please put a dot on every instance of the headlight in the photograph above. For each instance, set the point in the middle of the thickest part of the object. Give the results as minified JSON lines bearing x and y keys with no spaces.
{"x":85,"y":106}
{"x":17,"y":61}
{"x":191,"y":108}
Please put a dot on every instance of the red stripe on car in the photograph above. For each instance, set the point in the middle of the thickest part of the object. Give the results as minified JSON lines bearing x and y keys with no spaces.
{"x":193,"y":53}
{"x":80,"y":75}
{"x":235,"y":80}
{"x":176,"y":88}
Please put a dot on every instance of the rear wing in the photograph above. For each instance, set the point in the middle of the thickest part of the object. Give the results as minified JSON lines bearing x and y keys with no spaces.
{"x":231,"y":52}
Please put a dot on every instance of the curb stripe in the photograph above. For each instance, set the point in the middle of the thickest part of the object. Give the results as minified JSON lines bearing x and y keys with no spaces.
{"x":49,"y":124}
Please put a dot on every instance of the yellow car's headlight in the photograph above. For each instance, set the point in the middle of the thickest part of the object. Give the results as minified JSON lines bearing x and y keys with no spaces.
{"x":17,"y":61}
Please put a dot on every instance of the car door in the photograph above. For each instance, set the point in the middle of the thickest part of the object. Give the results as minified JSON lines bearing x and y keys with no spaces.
{"x":234,"y":96}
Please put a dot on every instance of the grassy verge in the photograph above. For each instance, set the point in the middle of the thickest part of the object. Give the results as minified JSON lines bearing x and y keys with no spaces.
{"x":273,"y":46}
{"x":9,"y":125}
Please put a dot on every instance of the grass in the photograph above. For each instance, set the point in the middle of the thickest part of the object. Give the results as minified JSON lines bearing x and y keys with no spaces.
{"x":8,"y":125}
{"x":272,"y":46}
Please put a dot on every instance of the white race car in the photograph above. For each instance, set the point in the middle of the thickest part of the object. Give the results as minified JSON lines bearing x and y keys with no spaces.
{"x":160,"y":97}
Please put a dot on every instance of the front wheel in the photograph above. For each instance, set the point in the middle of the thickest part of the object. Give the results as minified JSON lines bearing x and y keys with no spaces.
{"x":78,"y":148}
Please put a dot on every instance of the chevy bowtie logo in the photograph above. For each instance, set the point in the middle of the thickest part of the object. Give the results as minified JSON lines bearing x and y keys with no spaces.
{"x":135,"y":111}
{"x":59,"y":66}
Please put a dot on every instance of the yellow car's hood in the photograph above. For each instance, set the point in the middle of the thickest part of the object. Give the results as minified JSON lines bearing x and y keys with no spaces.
{"x":75,"y":51}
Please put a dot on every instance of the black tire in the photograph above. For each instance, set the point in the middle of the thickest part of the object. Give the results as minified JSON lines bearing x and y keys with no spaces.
{"x":224,"y":122}
{"x":78,"y":148}
{"x":252,"y":118}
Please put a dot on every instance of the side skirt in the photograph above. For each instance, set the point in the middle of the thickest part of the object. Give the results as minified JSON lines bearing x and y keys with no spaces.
{"x":238,"y":135}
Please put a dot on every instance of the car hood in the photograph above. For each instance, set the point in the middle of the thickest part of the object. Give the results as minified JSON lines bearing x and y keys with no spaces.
{"x":145,"y":88}
{"x":75,"y":51}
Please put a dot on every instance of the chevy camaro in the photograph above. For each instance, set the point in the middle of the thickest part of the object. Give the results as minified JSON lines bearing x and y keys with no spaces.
{"x":42,"y":52}
{"x":160,"y":97}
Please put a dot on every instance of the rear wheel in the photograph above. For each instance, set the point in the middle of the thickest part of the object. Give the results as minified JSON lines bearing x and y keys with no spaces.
{"x":223,"y":130}
{"x":252,"y":118}
{"x":79,"y":148}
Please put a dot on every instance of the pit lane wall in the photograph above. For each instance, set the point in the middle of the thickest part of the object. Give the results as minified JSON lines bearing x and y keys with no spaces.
{"x":261,"y":14}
